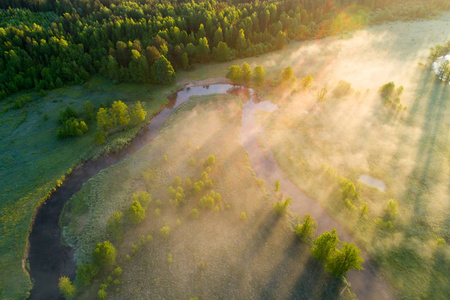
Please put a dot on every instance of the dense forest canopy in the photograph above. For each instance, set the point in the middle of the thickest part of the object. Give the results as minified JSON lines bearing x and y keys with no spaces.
{"x":48,"y":43}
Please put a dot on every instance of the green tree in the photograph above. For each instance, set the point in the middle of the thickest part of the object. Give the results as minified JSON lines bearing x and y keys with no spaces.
{"x":280,"y":207}
{"x":203,"y":49}
{"x":66,"y":287}
{"x":324,"y":245}
{"x":241,"y":42}
{"x":306,"y":229}
{"x":104,"y":254}
{"x":246,"y":72}
{"x":390,"y":211}
{"x":136,"y":212}
{"x":218,"y":37}
{"x":235,"y":74}
{"x":163,"y":70}
{"x":85,"y":273}
{"x":89,"y":110}
{"x":137,"y":113}
{"x":185,"y":60}
{"x":281,"y":40}
{"x":120,"y":113}
{"x":287,"y":74}
{"x":344,"y":260}
{"x":258,"y":75}
{"x":222,"y":52}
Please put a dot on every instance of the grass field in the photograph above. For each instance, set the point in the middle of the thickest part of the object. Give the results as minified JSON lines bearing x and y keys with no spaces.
{"x":33,"y":160}
{"x":214,"y":256}
{"x":357,"y":134}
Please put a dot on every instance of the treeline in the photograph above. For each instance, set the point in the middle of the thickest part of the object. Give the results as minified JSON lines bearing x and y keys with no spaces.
{"x":46,"y":44}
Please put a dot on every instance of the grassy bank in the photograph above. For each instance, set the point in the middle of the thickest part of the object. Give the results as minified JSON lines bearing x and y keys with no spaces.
{"x":33,"y":161}
{"x":220,"y":253}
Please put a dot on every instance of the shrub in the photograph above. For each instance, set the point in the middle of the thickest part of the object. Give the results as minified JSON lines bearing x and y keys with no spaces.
{"x":114,"y":227}
{"x":342,"y":89}
{"x":287,"y":74}
{"x":176,"y":181}
{"x":104,"y":254}
{"x":66,"y":287}
{"x":102,"y":294}
{"x":143,"y":197}
{"x":306,"y":82}
{"x":192,"y":161}
{"x":170,"y":259}
{"x":158,"y":212}
{"x":387,"y":89}
{"x":324,"y":245}
{"x":67,"y":114}
{"x":363,"y":210}
{"x":193,"y":214}
{"x":280,"y":207}
{"x":72,"y":127}
{"x":390,"y":211}
{"x":99,"y":138}
{"x":211,"y":160}
{"x":305,"y":231}
{"x":207,"y":202}
{"x":165,"y":231}
{"x":136,"y":212}
{"x":243,"y":216}
{"x":89,"y":110}
{"x":117,"y":272}
{"x":85,"y":273}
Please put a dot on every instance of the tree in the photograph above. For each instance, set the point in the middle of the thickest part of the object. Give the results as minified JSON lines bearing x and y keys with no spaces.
{"x":241,"y":42}
{"x":234,"y":74}
{"x":137,"y":113}
{"x":324,"y":245}
{"x":281,"y":40}
{"x":287,"y":74}
{"x":203,"y":49}
{"x":185,"y":60}
{"x":258,"y":75}
{"x":89,"y":110}
{"x":246,"y":72}
{"x":85,"y":273}
{"x":387,"y":89}
{"x":136,"y":212}
{"x":222,"y":52}
{"x":305,"y":231}
{"x":104,"y":122}
{"x":390,"y":211}
{"x":280,"y":207}
{"x":344,"y":260}
{"x":163,"y":70}
{"x":306,"y":82}
{"x":120,"y":113}
{"x":65,"y":287}
{"x":218,"y":37}
{"x":104,"y":254}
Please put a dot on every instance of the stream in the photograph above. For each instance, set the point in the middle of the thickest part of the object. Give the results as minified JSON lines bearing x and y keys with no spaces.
{"x":49,"y":259}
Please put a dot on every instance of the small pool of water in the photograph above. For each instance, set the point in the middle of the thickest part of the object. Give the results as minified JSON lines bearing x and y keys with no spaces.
{"x":373,"y":182}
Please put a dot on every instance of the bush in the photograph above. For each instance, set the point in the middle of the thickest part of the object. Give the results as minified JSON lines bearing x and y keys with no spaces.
{"x":114,"y":227}
{"x":306,"y":82}
{"x":387,"y":89}
{"x":287,"y":74}
{"x":104,"y":254}
{"x":193,"y":214}
{"x":211,"y":160}
{"x":102,"y":294}
{"x":207,"y":202}
{"x":305,"y":231}
{"x":65,"y":287}
{"x":143,"y":197}
{"x":85,"y":273}
{"x":280,"y":207}
{"x":72,"y":127}
{"x":67,"y":114}
{"x":170,"y":259}
{"x":99,"y":138}
{"x":136,"y":212}
{"x":243,"y":216}
{"x":342,"y":89}
{"x":165,"y":231}
{"x":117,"y":272}
{"x":390,"y":211}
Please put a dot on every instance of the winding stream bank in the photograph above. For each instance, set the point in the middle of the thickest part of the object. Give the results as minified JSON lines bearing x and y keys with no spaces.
{"x":49,"y":259}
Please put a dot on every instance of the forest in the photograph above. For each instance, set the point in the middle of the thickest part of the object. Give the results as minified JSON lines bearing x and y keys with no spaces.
{"x":50,"y":43}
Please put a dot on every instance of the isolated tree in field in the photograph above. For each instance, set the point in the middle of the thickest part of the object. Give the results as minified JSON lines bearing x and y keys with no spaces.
{"x":306,"y":82}
{"x":306,"y":229}
{"x":387,"y":89}
{"x":163,"y":71}
{"x":136,"y":212}
{"x":104,"y":254}
{"x":324,"y":245}
{"x":246,"y":72}
{"x":343,"y":260}
{"x":65,"y":287}
{"x":287,"y":74}
{"x":234,"y":74}
{"x":258,"y":75}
